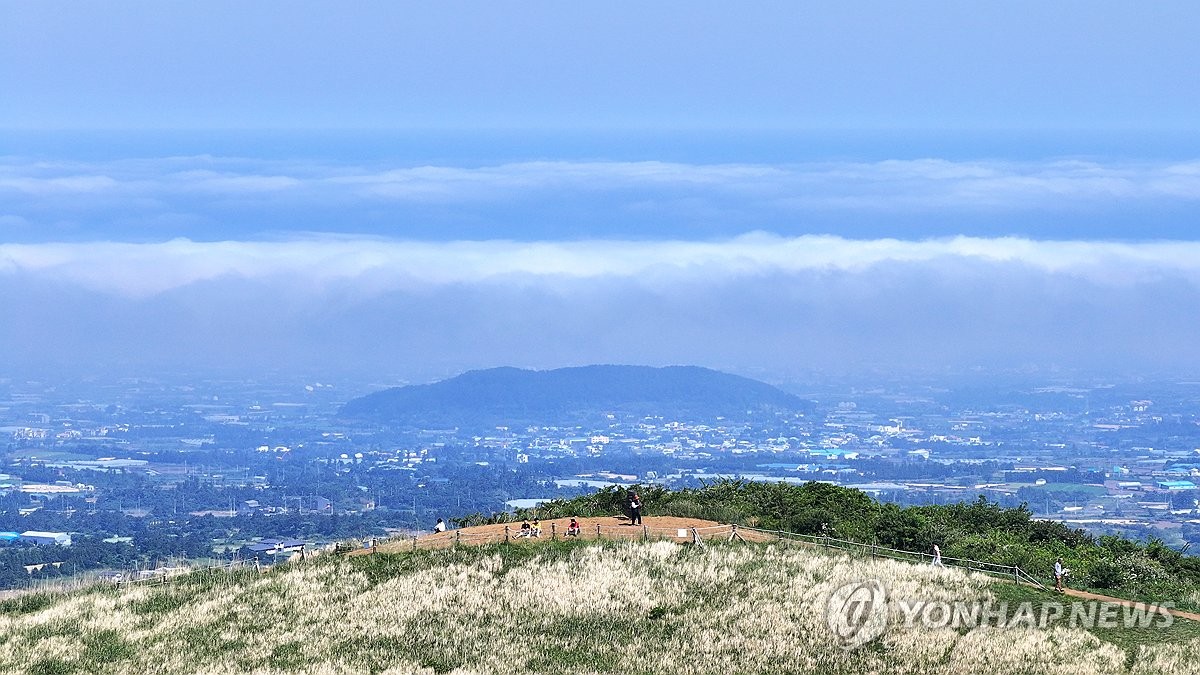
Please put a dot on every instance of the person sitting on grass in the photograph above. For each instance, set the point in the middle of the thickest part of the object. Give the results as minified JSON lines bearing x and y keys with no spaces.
{"x":573,"y":527}
{"x":537,"y":527}
{"x":526,"y":530}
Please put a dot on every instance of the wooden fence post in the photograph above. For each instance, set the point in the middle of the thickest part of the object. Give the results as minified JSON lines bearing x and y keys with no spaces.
{"x":457,"y":537}
{"x":597,"y":530}
{"x":553,"y":531}
{"x":645,"y":533}
{"x":506,"y":534}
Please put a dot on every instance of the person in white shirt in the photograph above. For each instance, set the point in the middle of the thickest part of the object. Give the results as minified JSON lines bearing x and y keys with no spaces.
{"x":1060,"y":574}
{"x":440,"y":527}
{"x":937,"y":557}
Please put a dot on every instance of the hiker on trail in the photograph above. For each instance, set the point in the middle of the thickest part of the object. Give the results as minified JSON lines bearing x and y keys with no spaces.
{"x":573,"y":528}
{"x":1060,"y":574}
{"x":526,"y":530}
{"x":537,"y":528}
{"x":440,"y":527}
{"x":635,"y":509}
{"x":937,"y":557}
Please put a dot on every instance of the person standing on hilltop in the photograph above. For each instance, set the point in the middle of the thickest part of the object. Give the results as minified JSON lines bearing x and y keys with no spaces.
{"x":1059,"y":574}
{"x":937,"y":557}
{"x":635,"y":509}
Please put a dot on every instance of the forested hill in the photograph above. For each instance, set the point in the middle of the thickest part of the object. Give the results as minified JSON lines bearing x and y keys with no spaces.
{"x":512,"y":395}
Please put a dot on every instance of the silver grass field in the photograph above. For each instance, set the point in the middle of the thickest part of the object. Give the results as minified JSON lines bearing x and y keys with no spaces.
{"x":614,"y":607}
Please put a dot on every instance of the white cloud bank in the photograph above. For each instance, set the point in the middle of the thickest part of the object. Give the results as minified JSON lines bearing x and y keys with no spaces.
{"x":211,"y":197}
{"x":754,"y":302}
{"x":141,"y":270}
{"x":962,"y":183}
{"x":544,"y":263}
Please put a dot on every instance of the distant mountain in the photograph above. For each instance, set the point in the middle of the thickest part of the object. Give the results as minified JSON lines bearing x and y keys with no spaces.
{"x":512,"y":395}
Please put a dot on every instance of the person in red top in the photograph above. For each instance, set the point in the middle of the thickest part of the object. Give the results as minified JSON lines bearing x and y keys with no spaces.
{"x":573,"y":528}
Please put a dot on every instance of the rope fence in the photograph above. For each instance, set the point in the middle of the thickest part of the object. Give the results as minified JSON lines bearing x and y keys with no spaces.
{"x":157,"y":577}
{"x":995,"y":569}
{"x":554,"y":532}
{"x":597,"y":531}
{"x":697,"y":536}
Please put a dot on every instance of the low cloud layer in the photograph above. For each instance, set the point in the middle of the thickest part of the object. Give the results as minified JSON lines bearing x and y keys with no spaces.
{"x":374,"y":265}
{"x":751,"y":302}
{"x":207,"y":197}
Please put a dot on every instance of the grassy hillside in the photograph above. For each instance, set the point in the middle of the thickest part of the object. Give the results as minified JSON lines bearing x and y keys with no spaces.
{"x":551,"y":608}
{"x":980,"y":530}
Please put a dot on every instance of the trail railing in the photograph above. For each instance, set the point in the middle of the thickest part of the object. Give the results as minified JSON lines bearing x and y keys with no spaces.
{"x":713,"y":532}
{"x":692,"y":535}
{"x":1010,"y":571}
{"x":698,"y":535}
{"x":144,"y":577}
{"x":553,"y":532}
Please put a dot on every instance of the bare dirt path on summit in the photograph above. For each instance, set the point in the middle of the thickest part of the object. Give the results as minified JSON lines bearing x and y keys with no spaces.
{"x":608,"y":527}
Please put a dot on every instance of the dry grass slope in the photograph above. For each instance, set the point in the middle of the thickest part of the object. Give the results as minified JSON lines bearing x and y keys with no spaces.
{"x":655,"y":607}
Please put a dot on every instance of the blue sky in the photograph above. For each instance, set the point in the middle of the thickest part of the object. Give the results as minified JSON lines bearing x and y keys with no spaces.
{"x":552,"y":65}
{"x":771,"y":188}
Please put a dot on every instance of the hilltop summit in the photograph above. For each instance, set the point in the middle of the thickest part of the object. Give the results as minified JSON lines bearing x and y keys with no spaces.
{"x":557,"y":607}
{"x":513,"y":395}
